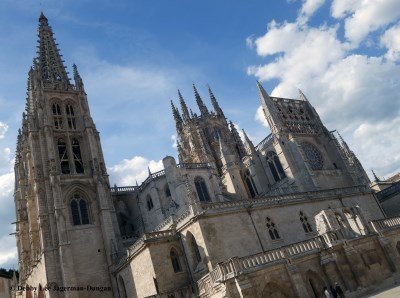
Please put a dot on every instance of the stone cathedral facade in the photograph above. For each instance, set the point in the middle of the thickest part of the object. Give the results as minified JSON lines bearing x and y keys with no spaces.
{"x":282,"y":218}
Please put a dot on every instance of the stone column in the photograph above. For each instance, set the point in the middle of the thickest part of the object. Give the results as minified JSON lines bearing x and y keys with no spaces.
{"x":296,"y":280}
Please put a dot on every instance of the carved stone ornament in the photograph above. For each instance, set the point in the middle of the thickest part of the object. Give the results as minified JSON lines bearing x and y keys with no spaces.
{"x":313,"y":156}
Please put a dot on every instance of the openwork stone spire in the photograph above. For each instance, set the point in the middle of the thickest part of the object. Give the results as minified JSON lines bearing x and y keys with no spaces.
{"x":177,"y":116}
{"x":200,"y":103}
{"x":50,"y":64}
{"x":214,"y":102}
{"x":185,"y":111}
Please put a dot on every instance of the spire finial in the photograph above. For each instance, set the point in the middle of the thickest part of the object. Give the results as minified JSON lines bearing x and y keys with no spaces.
{"x":248,"y":144}
{"x":375,"y":177}
{"x":185,"y":111}
{"x":202,"y":107}
{"x":302,"y":96}
{"x":43,"y":20}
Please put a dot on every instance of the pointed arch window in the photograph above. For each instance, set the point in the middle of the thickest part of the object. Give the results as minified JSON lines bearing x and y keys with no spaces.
{"x":201,"y":189}
{"x":194,"y":249}
{"x":58,"y":122}
{"x":304,"y":222}
{"x":176,"y":264}
{"x":251,"y":187}
{"x":167,"y":191}
{"x":70,"y":117}
{"x":79,"y":211}
{"x":63,"y":155}
{"x":272,"y":230}
{"x":76,"y":151}
{"x":149,"y":202}
{"x":275,"y":166}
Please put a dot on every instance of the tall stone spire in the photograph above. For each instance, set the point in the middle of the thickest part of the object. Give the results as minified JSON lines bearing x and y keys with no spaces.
{"x":200,"y":103}
{"x":248,"y":144}
{"x":214,"y":102}
{"x":177,"y":116}
{"x":51,"y":67}
{"x":239,"y":144}
{"x":376,"y":178}
{"x":185,"y":111}
{"x":302,"y":96}
{"x":77,"y":78}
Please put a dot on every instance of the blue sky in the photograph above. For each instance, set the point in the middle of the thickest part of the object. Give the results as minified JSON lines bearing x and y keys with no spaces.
{"x":133,"y":55}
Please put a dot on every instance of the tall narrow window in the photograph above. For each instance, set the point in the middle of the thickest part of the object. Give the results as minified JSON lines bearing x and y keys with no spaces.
{"x":63,"y":155}
{"x":176,"y":264}
{"x":201,"y":189}
{"x":75,"y":213}
{"x":272,"y":231}
{"x":76,"y":151}
{"x":58,"y":123}
{"x":149,"y":202}
{"x":70,"y":117}
{"x":250,"y":184}
{"x":167,"y":191}
{"x":304,"y":221}
{"x":194,"y":249}
{"x":275,"y":166}
{"x":79,"y":211}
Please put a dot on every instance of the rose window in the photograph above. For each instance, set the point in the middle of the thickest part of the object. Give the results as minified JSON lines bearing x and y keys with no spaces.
{"x":313,"y":156}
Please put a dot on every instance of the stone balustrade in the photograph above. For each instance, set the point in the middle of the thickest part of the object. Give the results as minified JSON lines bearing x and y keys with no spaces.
{"x":386,"y":223}
{"x":236,"y":266}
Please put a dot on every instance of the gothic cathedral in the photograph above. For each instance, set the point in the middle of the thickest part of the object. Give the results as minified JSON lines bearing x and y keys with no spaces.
{"x":282,"y":218}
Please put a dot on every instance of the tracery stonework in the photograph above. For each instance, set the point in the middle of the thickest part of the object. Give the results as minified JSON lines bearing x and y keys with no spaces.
{"x":313,"y":156}
{"x":228,"y":218}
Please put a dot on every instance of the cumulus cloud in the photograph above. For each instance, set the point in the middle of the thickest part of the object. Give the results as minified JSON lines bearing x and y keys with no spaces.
{"x":355,"y":93}
{"x":363,"y":17}
{"x":3,"y":129}
{"x":310,"y":7}
{"x":128,"y":171}
{"x":391,"y":40}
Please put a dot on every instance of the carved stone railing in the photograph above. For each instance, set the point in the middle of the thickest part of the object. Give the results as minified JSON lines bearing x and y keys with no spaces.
{"x":147,"y":237}
{"x":193,"y":166}
{"x":264,"y":142}
{"x":386,"y":223}
{"x":286,"y":198}
{"x":123,"y":189}
{"x":236,"y":266}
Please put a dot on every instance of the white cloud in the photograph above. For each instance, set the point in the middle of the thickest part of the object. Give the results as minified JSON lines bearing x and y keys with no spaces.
{"x":6,"y":185}
{"x":310,"y":6}
{"x":365,"y":16}
{"x":8,"y":251}
{"x":260,"y":117}
{"x":357,"y":94}
{"x":3,"y":129}
{"x":391,"y":40}
{"x":128,"y":171}
{"x":377,"y":144}
{"x":174,"y":140}
{"x":307,"y":52}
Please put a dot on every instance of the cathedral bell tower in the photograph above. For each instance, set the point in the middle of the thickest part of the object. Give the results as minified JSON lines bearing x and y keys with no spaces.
{"x":66,"y":223}
{"x":310,"y":153}
{"x":209,"y":138}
